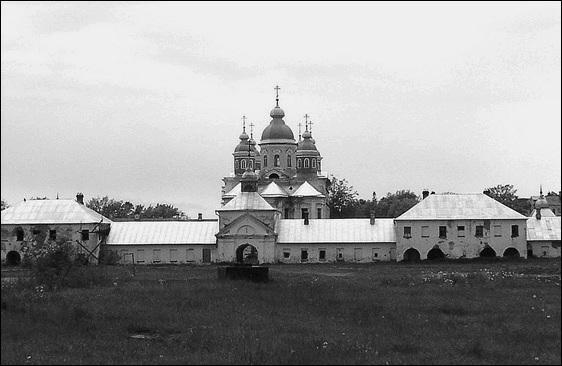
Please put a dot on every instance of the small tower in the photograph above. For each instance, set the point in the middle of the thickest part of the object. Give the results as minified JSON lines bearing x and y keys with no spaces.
{"x":308,"y":157}
{"x":244,"y":155}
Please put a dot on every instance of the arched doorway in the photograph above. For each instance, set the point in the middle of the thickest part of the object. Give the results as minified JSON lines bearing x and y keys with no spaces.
{"x":512,"y":253}
{"x":274,"y":176}
{"x":435,"y":253}
{"x":247,"y":254}
{"x":488,"y":252}
{"x":13,"y":258}
{"x":411,"y":255}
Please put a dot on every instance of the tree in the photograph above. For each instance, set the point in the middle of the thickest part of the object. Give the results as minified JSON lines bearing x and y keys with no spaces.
{"x":39,"y":198}
{"x":117,"y":209}
{"x":394,"y":205}
{"x":3,"y":205}
{"x":506,"y":194}
{"x":341,"y":197}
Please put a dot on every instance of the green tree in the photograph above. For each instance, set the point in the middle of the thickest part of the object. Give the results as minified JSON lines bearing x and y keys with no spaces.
{"x":341,"y":197}
{"x":506,"y":194}
{"x":394,"y":205}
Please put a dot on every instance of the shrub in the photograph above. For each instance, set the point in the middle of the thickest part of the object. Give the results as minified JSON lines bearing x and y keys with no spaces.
{"x":109,"y":257}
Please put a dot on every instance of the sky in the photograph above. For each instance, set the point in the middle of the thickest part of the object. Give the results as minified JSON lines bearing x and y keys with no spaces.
{"x":144,"y":101}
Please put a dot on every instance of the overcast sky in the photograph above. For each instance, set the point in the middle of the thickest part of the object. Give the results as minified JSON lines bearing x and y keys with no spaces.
{"x":143,"y":101}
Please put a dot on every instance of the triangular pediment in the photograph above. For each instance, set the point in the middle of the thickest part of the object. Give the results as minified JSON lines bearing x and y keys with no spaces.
{"x":307,"y":190}
{"x":246,"y":225}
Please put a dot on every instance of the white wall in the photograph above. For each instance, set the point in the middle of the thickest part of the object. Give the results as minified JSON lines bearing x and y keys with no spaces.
{"x":352,"y":252}
{"x":165,"y":254}
{"x":544,"y":249}
{"x":455,"y":246}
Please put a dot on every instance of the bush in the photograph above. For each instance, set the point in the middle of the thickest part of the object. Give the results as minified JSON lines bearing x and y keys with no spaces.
{"x":109,"y":257}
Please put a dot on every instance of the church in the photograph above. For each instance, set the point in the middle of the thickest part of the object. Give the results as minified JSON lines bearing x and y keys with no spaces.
{"x":274,"y":210}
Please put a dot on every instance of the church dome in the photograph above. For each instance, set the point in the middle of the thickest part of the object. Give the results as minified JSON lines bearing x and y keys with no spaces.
{"x":307,"y":144}
{"x":541,"y":203}
{"x":249,"y":175}
{"x":243,"y":145}
{"x":277,"y":112}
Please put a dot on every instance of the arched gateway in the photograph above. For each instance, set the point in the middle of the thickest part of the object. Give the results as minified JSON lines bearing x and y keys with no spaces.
{"x":247,"y":254}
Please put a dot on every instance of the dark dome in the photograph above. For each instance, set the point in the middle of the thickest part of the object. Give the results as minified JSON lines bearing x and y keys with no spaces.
{"x":277,"y":130}
{"x":307,"y":144}
{"x":242,"y":146}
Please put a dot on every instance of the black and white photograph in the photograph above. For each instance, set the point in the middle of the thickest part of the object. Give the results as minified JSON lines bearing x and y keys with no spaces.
{"x":281,"y":182}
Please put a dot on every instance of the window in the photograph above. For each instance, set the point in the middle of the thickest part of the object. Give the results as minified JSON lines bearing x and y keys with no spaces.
{"x":156,"y":256}
{"x":140,"y":255}
{"x":19,"y":234}
{"x":514,"y":231}
{"x":319,"y":212}
{"x":304,"y":212}
{"x":286,"y":253}
{"x":236,"y":164}
{"x":243,"y":164}
{"x":314,"y":163}
{"x":306,"y":163}
{"x":407,"y":232}
{"x":299,"y":163}
{"x":497,"y":230}
{"x":304,"y":255}
{"x":425,"y":231}
{"x":322,"y":255}
{"x":286,"y":213}
{"x":479,"y":231}
{"x":251,"y":164}
{"x":190,"y":255}
{"x":460,"y":231}
{"x":265,"y":161}
{"x":442,"y":232}
{"x":173,"y":255}
{"x":85,"y":234}
{"x":52,"y":234}
{"x":357,"y":254}
{"x":339,"y":254}
{"x":276,"y":160}
{"x":289,"y":163}
{"x":376,"y":252}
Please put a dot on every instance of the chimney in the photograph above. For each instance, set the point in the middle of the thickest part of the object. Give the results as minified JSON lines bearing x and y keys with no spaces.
{"x":305,"y":216}
{"x":200,"y":216}
{"x":372,"y":218}
{"x":425,"y":193}
{"x":80,"y":198}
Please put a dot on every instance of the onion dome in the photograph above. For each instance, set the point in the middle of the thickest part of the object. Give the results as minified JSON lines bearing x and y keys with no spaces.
{"x":277,"y":129}
{"x":307,"y":144}
{"x":277,"y":112}
{"x":252,"y":143}
{"x":243,"y":145}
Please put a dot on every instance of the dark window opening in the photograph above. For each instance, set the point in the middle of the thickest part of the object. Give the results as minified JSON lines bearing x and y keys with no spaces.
{"x":85,"y":235}
{"x":265,"y":161}
{"x":319,"y":212}
{"x":286,"y":255}
{"x":289,"y":163}
{"x":304,"y":212}
{"x":407,"y":232}
{"x":442,"y":232}
{"x":322,"y":255}
{"x":304,"y":255}
{"x":19,"y":234}
{"x":299,"y":163}
{"x":514,"y":231}
{"x":52,"y":234}
{"x":479,"y":231}
{"x":286,"y":213}
{"x":273,"y":176}
{"x":460,"y":230}
{"x":306,"y":163}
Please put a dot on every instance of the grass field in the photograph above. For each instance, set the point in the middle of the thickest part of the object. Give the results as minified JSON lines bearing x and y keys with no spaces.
{"x":438,"y":313}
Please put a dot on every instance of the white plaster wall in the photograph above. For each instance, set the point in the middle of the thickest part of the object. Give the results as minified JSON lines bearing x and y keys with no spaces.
{"x":125,"y":252}
{"x":386,"y":252}
{"x":540,"y":247}
{"x":454,"y":246}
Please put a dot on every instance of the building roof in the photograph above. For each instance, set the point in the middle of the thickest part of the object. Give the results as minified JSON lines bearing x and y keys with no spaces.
{"x":545,"y":229}
{"x":335,"y":231}
{"x":162,"y":232}
{"x":234,"y":191}
{"x":306,"y":190}
{"x":273,"y":190}
{"x":247,"y":201}
{"x":50,"y":212}
{"x":451,"y":206}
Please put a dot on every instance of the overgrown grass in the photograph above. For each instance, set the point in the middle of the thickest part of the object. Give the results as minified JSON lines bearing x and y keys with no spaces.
{"x":501,"y":312}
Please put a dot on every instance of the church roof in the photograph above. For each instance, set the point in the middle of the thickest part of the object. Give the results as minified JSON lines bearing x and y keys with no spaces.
{"x":459,"y":207}
{"x":336,"y":231}
{"x":547,"y":228}
{"x":50,"y":212}
{"x":234,"y":191}
{"x":162,"y":232}
{"x":247,"y":201}
{"x":306,"y":190}
{"x":273,"y":190}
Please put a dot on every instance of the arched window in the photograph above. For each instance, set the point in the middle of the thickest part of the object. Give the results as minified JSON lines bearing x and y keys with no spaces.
{"x":298,"y":163}
{"x":276,"y":160}
{"x":289,"y":164}
{"x":251,"y":164}
{"x":314,"y":163}
{"x":236,"y":164}
{"x":306,"y":163}
{"x":243,"y":164}
{"x":265,"y":161}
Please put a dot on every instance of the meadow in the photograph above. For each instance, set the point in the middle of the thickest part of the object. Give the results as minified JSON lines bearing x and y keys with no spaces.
{"x":497,"y":312}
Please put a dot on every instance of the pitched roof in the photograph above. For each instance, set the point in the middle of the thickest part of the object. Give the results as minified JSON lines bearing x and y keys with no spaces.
{"x":234,"y":191}
{"x":162,"y":232}
{"x":273,"y":190}
{"x":50,"y":212}
{"x":306,"y":190}
{"x":547,"y":228}
{"x":451,"y":206}
{"x":247,"y":201}
{"x":335,"y":231}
